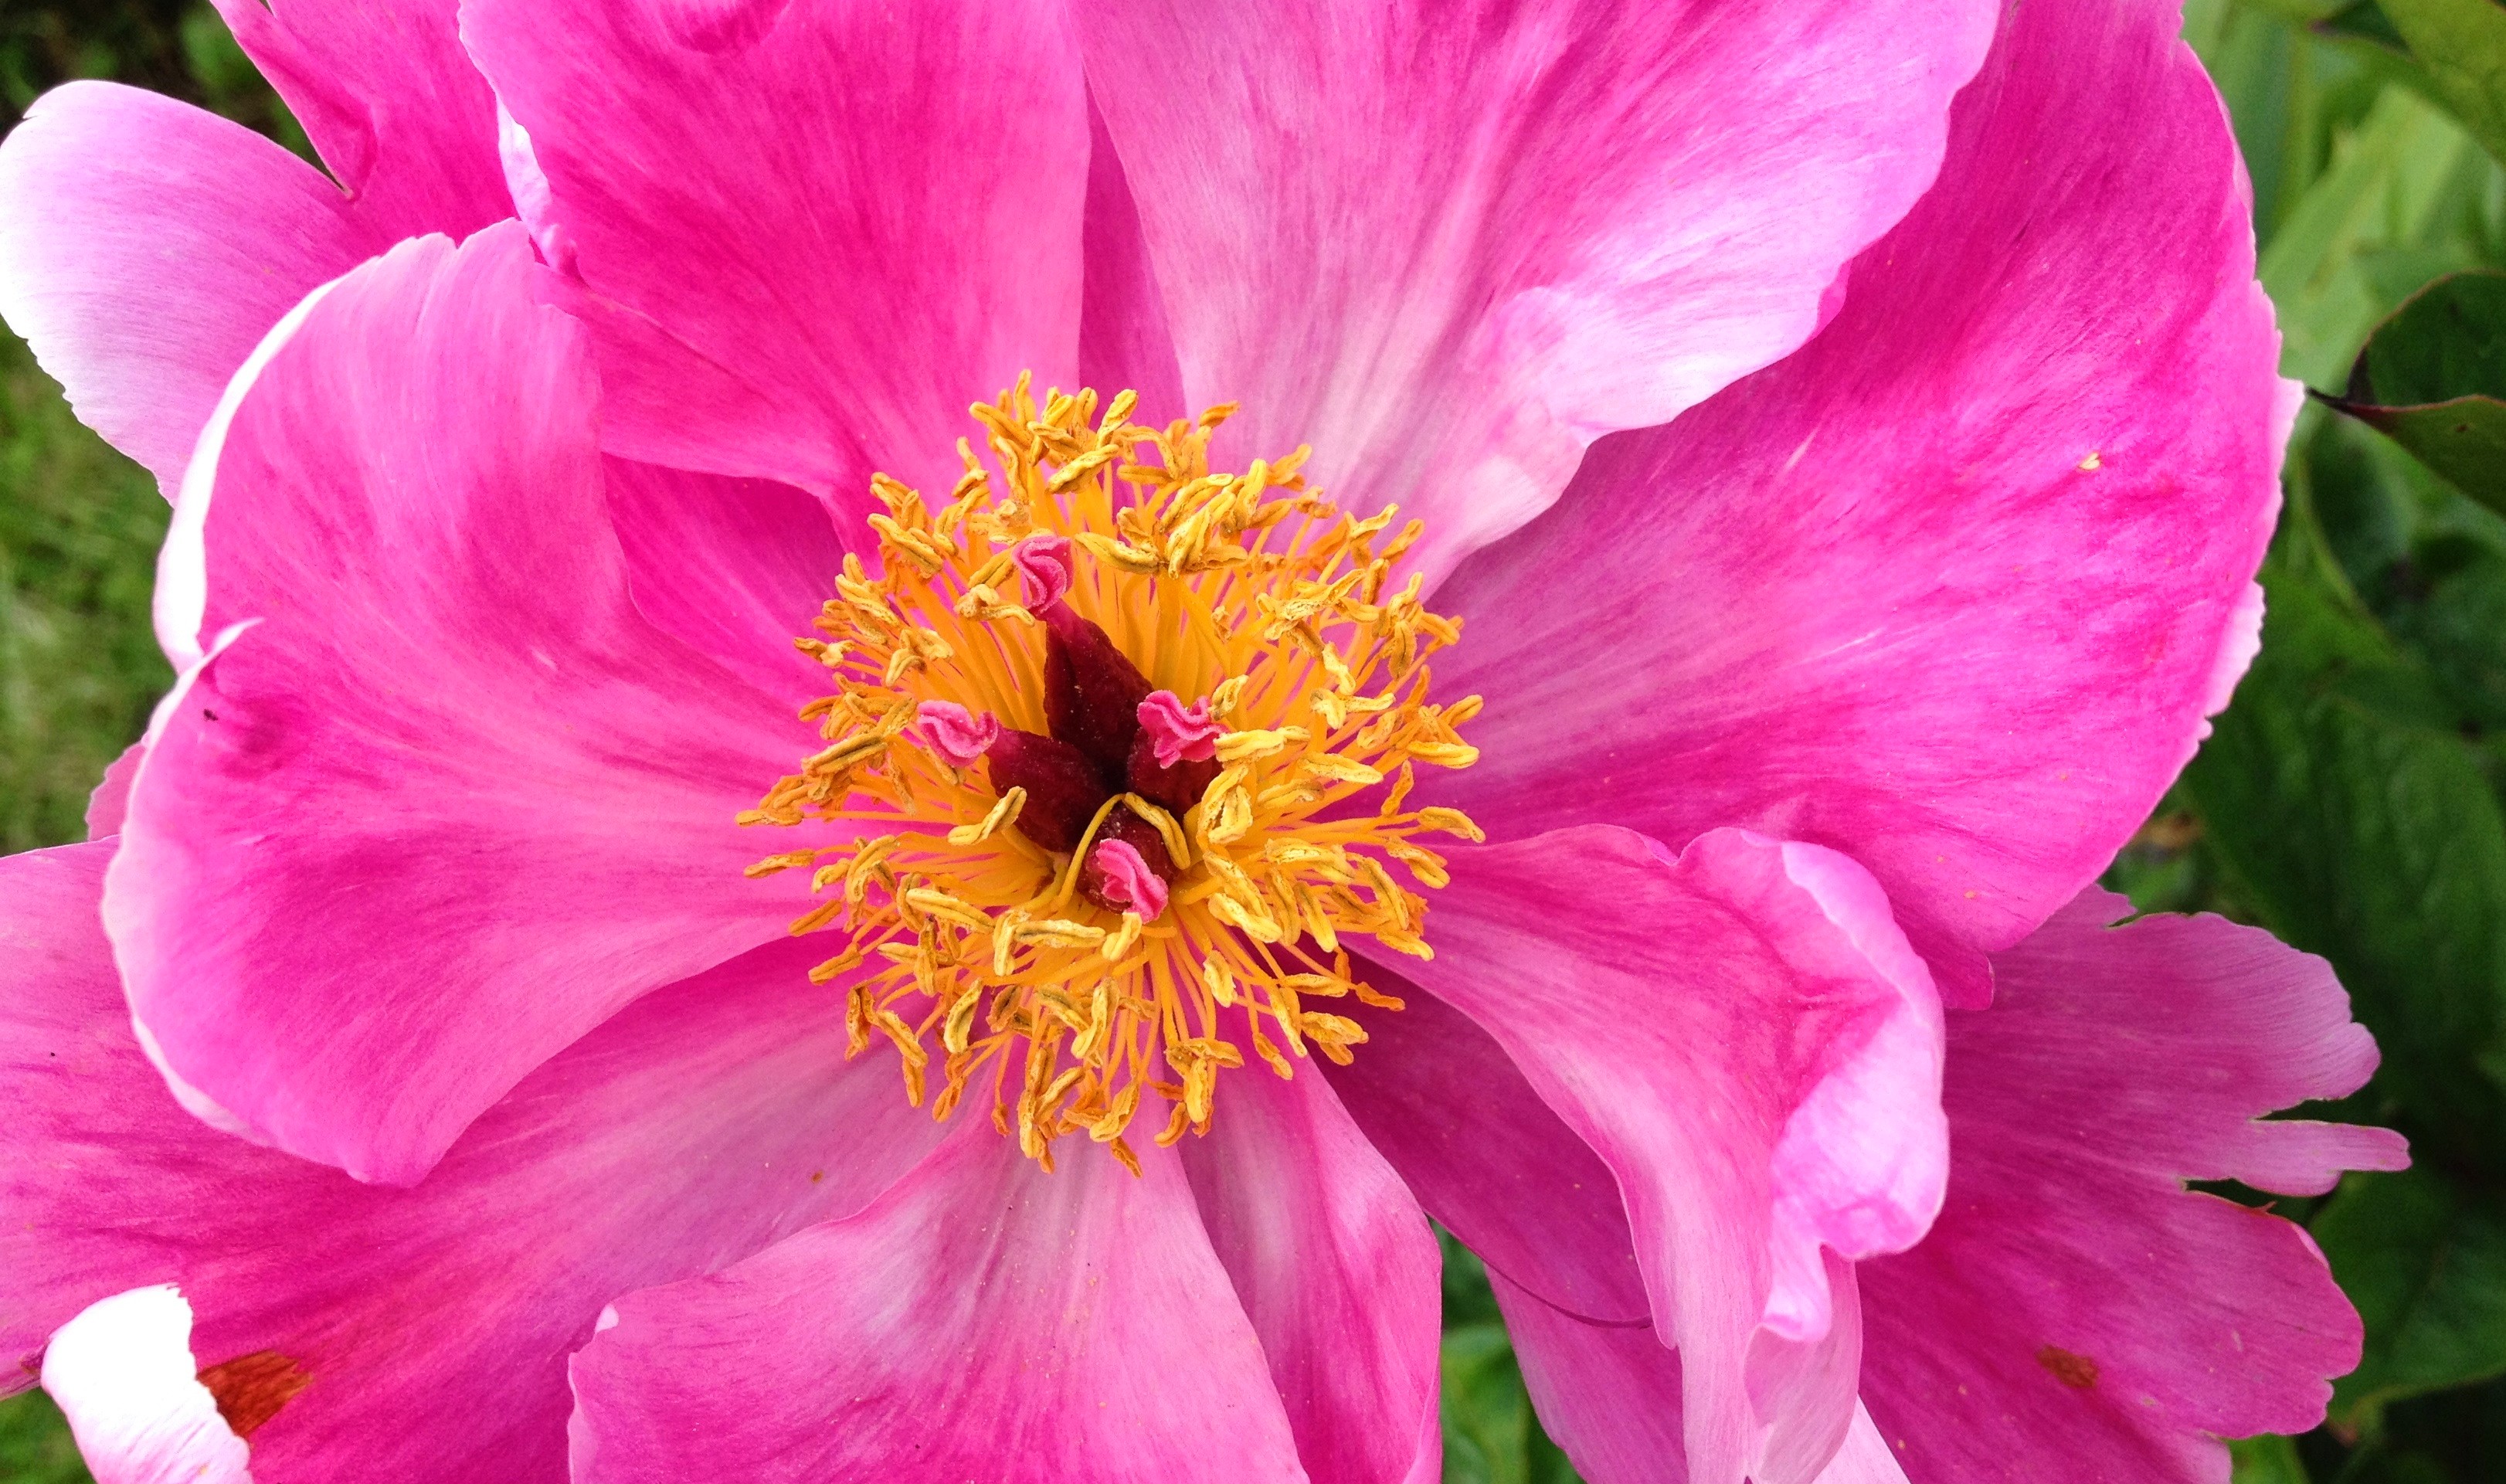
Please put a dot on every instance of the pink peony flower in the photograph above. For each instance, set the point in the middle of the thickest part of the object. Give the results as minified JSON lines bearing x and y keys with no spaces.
{"x":478,"y":853}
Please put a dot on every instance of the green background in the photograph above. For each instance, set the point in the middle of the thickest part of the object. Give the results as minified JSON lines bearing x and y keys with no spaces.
{"x":2349,"y":799}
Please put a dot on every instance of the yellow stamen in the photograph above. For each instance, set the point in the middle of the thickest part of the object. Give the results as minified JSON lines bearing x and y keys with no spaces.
{"x":1247,"y":589}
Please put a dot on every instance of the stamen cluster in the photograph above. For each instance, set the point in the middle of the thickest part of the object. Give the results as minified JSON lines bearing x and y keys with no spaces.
{"x":1125,"y":747}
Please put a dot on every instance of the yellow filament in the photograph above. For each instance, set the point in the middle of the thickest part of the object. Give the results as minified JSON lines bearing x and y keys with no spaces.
{"x":1247,"y":589}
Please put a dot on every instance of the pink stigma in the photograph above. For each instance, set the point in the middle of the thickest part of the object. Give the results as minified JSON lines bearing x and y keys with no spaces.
{"x":954,"y":733}
{"x":1044,"y":571}
{"x":1177,"y":730}
{"x":1129,"y":881}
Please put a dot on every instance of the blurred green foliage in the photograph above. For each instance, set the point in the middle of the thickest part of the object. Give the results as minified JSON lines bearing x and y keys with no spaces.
{"x":2349,"y":799}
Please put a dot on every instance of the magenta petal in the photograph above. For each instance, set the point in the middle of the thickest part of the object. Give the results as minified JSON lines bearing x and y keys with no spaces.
{"x":808,"y":239}
{"x":1951,"y":589}
{"x":1746,"y":1040}
{"x":1336,"y":1270}
{"x":124,"y":1375}
{"x":441,"y":800}
{"x":1441,"y":1100}
{"x":2076,"y":1312}
{"x":736,"y":567}
{"x":1451,"y":248}
{"x":390,"y":100}
{"x":982,"y":1319}
{"x":145,"y":246}
{"x":433,"y":1324}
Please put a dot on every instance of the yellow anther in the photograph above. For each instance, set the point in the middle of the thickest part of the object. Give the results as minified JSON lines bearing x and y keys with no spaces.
{"x":969,"y":941}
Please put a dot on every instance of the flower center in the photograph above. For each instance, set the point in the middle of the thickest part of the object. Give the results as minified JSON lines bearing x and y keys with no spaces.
{"x":1125,"y":747}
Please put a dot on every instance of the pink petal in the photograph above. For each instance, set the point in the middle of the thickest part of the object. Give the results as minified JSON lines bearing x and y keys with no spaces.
{"x":2075,"y":1310}
{"x":1337,"y":1272}
{"x":431,"y":1325}
{"x":1450,"y":250}
{"x":809,"y":235}
{"x":146,"y":245}
{"x":1124,"y":341}
{"x":1950,"y":590}
{"x":122,"y":1374}
{"x":390,"y":101}
{"x":1746,"y":1040}
{"x":1610,"y":1397}
{"x":735,"y":567}
{"x":441,"y":800}
{"x":982,"y":1319}
{"x":1441,"y":1100}
{"x":111,"y":799}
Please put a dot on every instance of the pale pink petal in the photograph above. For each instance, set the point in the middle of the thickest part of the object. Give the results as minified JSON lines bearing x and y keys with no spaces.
{"x":2076,"y":1312}
{"x":146,"y":245}
{"x":429,"y":1327}
{"x":1441,"y":1100}
{"x":736,"y":567}
{"x":1866,"y":1456}
{"x":390,"y":101}
{"x":122,"y":1374}
{"x":441,"y":800}
{"x":1950,"y":590}
{"x":1746,"y":1039}
{"x":110,"y":798}
{"x":982,"y":1319}
{"x":807,"y":235}
{"x":1609,"y":1395}
{"x":1449,"y":246}
{"x":1336,"y":1270}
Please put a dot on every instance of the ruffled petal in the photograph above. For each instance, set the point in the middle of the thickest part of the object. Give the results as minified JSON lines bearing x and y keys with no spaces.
{"x":1442,"y":1101}
{"x":1744,"y":1037}
{"x":1337,"y":1272}
{"x":122,"y":1374}
{"x":2076,"y":1312}
{"x":421,"y":1334}
{"x":807,"y":235}
{"x":145,"y":246}
{"x":1951,"y":589}
{"x":1610,"y":1397}
{"x":392,"y":102}
{"x":441,"y":800}
{"x":982,"y":1319}
{"x":1450,"y":249}
{"x":735,"y":567}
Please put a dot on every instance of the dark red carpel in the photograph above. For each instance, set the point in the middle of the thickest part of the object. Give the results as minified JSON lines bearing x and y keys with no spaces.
{"x":1063,"y":786}
{"x":1091,"y":691}
{"x":1140,"y":835}
{"x":1173,"y":788}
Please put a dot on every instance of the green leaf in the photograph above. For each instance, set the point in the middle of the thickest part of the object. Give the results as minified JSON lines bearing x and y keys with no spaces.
{"x":35,"y":1445}
{"x":2448,"y":339}
{"x":2358,"y":820}
{"x":2365,"y":20}
{"x":2425,"y":1259}
{"x":2330,"y":267}
{"x":2462,"y":45}
{"x":2432,"y":378}
{"x":1492,"y":1435}
{"x":2267,"y":1459}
